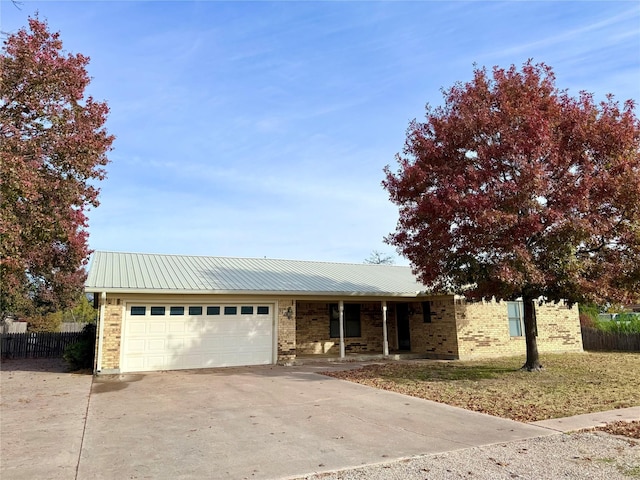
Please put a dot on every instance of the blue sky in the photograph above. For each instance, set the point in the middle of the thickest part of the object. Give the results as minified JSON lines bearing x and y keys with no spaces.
{"x":260,"y":129}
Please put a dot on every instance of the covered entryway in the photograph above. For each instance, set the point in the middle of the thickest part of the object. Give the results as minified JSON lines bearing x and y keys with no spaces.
{"x":170,"y":336}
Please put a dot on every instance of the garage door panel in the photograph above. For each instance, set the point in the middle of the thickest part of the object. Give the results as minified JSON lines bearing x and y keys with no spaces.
{"x":154,"y":362}
{"x":156,"y":345}
{"x":156,"y":327}
{"x":212,"y":329}
{"x":175,"y":344}
{"x":257,"y":333}
{"x":212,"y":344}
{"x":243,"y":358}
{"x":177,"y":327}
{"x":136,"y":327}
{"x":251,"y":343}
{"x":136,"y":345}
{"x":165,"y":342}
{"x":136,"y":363}
{"x":247,"y":328}
{"x":188,"y":361}
{"x":194,"y":328}
{"x":228,"y":328}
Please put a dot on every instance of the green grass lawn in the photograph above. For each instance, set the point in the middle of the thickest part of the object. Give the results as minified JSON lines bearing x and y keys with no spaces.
{"x":569,"y":384}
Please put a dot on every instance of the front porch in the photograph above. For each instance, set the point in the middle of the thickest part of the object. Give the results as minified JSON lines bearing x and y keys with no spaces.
{"x":337,"y":329}
{"x":371,"y":329}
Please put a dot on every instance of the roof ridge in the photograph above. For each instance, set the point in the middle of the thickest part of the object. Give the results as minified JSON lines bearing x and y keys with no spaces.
{"x":325,"y":262}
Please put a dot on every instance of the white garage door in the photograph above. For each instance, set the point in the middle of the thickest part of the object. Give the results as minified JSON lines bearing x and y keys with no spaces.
{"x":169,"y":337}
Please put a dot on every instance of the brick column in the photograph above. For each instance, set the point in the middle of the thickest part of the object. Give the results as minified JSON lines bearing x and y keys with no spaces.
{"x":112,"y":332}
{"x":286,"y":330}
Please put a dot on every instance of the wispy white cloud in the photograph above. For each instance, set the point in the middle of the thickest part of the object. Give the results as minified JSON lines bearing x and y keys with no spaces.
{"x":261,"y":128}
{"x":618,"y":26}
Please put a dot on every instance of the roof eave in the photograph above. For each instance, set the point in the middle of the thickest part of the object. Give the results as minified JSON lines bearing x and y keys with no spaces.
{"x":279,"y":293}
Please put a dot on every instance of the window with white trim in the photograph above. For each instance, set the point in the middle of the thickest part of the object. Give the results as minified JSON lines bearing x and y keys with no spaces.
{"x":516,"y":318}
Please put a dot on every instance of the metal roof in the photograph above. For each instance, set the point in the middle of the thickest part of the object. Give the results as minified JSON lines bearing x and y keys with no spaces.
{"x":154,"y":273}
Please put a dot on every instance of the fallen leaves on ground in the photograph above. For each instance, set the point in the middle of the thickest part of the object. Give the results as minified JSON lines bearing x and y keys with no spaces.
{"x":627,"y":429}
{"x":569,"y":384}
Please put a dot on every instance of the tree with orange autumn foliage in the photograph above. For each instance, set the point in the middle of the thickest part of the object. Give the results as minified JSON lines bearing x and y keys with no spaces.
{"x":515,"y":189}
{"x":53,"y":151}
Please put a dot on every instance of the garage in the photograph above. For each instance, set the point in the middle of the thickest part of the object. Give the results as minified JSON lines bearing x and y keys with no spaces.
{"x":163,"y":336}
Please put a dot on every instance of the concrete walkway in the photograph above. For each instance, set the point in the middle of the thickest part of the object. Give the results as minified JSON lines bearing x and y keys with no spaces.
{"x":258,"y":422}
{"x":590,"y":420}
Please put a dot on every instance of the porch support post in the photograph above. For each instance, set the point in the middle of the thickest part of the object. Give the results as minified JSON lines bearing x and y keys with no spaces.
{"x":341,"y":310}
{"x":385,"y":340}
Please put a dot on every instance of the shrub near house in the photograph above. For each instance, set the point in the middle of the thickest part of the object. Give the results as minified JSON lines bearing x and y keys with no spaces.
{"x":81,"y":354}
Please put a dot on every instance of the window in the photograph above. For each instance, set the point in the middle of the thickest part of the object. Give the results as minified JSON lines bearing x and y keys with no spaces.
{"x":514,"y":311}
{"x":157,"y":310}
{"x":246,"y":310}
{"x":230,"y":310}
{"x":138,"y":310}
{"x":351,"y":320}
{"x":213,"y":310}
{"x":195,"y":310}
{"x":426,"y":312}
{"x":176,"y":311}
{"x":263,"y":310}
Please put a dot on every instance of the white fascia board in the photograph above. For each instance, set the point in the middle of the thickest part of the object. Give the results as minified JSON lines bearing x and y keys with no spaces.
{"x":280,"y":293}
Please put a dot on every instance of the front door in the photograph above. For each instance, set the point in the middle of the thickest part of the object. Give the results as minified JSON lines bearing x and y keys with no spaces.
{"x":404,"y":331}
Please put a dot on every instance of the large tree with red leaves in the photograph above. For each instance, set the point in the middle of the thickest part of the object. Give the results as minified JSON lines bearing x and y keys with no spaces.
{"x":516,"y":189}
{"x":53,"y":147}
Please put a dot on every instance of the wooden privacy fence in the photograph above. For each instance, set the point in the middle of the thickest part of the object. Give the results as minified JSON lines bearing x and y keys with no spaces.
{"x":36,"y":345}
{"x":594,"y":339}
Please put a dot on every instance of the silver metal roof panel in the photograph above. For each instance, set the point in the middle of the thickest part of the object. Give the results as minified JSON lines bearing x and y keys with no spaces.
{"x":141,"y":272}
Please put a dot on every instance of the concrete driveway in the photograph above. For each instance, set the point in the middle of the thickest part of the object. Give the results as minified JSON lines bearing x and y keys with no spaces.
{"x":253,"y":422}
{"x":42,"y":419}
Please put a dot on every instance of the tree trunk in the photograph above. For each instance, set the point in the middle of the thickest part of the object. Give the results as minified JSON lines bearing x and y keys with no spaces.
{"x":530,"y":332}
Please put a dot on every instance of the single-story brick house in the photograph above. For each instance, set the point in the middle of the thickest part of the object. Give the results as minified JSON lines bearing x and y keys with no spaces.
{"x":165,"y":312}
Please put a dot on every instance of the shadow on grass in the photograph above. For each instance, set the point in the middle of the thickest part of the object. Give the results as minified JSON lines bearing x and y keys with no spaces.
{"x":479,"y":372}
{"x":446,"y":373}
